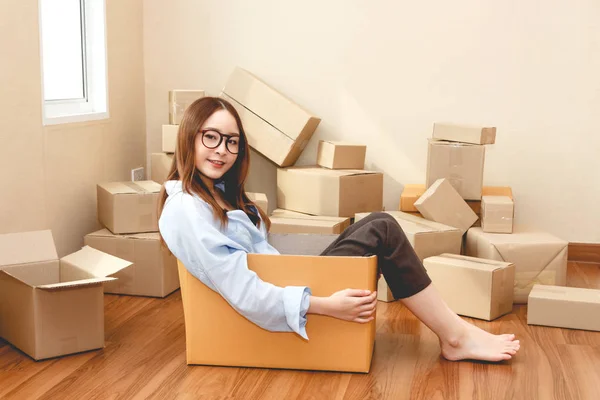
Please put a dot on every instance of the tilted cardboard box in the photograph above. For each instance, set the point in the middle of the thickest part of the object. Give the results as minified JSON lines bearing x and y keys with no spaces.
{"x":179,"y":100}
{"x":473,"y":287}
{"x":427,"y":238}
{"x":464,"y":133}
{"x":51,"y":307}
{"x":128,"y":207}
{"x":442,"y":203}
{"x":564,"y":307}
{"x":539,"y":257}
{"x":160,"y":166}
{"x":292,"y":126}
{"x":334,"y":193}
{"x":341,"y":155}
{"x":232,"y":340}
{"x":460,"y":163}
{"x":154,"y":270}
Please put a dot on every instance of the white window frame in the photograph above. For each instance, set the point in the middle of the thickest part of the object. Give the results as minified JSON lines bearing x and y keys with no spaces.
{"x":94,"y":105}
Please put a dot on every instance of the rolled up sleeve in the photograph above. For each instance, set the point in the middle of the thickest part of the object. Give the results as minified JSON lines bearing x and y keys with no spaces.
{"x":193,"y":236}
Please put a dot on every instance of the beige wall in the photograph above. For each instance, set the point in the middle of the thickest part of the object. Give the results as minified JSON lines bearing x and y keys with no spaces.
{"x":382,"y":72}
{"x":49,"y":174}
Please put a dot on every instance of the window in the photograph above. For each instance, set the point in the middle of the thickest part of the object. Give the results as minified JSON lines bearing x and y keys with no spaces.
{"x":73,"y":53}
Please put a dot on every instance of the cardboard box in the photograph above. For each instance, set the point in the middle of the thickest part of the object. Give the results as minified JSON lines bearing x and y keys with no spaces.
{"x":341,"y":155}
{"x":51,"y":307}
{"x":490,"y":191}
{"x":460,"y":163}
{"x":309,"y":224}
{"x":442,"y":203}
{"x":473,"y":287}
{"x":128,"y":207}
{"x":464,"y":133}
{"x":160,"y":166}
{"x":232,"y":340}
{"x":262,"y":178}
{"x":261,"y":201}
{"x":564,"y":307}
{"x":334,"y":193}
{"x":154,"y":270}
{"x":169,"y":138}
{"x":497,"y":214}
{"x":428,"y":238}
{"x":275,"y":126}
{"x":539,"y":257}
{"x":410,"y":194}
{"x":303,"y":244}
{"x":179,"y":100}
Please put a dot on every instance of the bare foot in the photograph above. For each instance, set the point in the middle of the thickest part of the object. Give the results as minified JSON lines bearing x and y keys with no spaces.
{"x":477,"y":344}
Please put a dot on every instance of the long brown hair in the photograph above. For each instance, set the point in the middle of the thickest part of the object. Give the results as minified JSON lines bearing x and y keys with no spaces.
{"x":184,"y":163}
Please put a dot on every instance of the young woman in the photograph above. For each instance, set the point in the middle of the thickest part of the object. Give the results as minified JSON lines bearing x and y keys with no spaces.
{"x":208,"y":223}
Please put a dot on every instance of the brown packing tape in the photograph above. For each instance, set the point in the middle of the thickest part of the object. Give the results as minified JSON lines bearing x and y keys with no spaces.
{"x":136,"y":187}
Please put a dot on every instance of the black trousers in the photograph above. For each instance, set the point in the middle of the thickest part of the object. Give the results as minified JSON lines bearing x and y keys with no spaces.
{"x":380,"y":234}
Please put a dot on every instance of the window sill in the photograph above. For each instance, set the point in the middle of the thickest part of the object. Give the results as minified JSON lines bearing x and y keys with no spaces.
{"x":68,"y":119}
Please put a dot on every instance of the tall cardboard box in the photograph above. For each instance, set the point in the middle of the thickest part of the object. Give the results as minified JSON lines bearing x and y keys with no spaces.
{"x":497,"y":214}
{"x":154,"y":270}
{"x":334,"y":193}
{"x":179,"y":100}
{"x":539,"y":257}
{"x":442,"y":203}
{"x":232,"y":340}
{"x":160,"y":166}
{"x":51,"y":307}
{"x":261,"y":200}
{"x":261,"y":108}
{"x":564,"y":307}
{"x":428,"y":238}
{"x":410,"y":194}
{"x":460,"y":163}
{"x":341,"y":155}
{"x":129,"y":207}
{"x":464,"y":133}
{"x":169,"y":138}
{"x":473,"y":287}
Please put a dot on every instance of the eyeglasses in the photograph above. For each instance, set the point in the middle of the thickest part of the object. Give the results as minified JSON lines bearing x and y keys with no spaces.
{"x":212,"y":139}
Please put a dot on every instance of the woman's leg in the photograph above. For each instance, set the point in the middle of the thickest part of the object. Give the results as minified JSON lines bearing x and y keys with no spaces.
{"x":380,"y":234}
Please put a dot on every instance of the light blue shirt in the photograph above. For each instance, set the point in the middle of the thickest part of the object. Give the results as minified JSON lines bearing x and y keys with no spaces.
{"x":217,"y":256}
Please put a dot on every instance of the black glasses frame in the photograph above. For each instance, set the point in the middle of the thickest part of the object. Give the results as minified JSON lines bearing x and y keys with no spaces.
{"x":221,"y":136}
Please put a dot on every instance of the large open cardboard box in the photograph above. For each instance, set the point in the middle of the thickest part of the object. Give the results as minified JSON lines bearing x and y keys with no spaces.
{"x":216,"y":334}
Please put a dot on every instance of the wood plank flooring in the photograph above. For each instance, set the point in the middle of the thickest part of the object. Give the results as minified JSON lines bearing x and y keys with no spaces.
{"x":145,"y":358}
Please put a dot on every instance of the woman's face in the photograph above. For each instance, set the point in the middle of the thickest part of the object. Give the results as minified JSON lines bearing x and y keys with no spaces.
{"x":217,"y":145}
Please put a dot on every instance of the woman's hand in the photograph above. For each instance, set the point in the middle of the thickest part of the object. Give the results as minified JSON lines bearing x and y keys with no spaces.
{"x":354,"y":305}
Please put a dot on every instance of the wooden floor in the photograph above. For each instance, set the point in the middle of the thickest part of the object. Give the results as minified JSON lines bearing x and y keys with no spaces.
{"x":145,"y":358}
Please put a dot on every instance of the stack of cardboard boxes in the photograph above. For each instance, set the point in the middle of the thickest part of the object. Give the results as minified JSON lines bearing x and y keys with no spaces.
{"x":129,"y":212}
{"x":160,"y":163}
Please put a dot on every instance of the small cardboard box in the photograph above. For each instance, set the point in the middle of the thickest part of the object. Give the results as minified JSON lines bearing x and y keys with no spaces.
{"x":309,"y":224}
{"x":473,"y":287}
{"x":564,"y":307}
{"x":428,"y":238}
{"x":464,"y":133}
{"x":341,"y":155}
{"x":333,"y":193}
{"x":539,"y":257}
{"x":261,"y":201}
{"x":410,"y":194}
{"x":161,"y":165}
{"x":460,"y":163}
{"x":51,"y":307}
{"x":274,"y":125}
{"x":334,"y":345}
{"x":179,"y":100}
{"x":497,"y":214}
{"x":154,"y":270}
{"x":302,"y":244}
{"x":129,"y":207}
{"x":490,"y":191}
{"x":442,"y":203}
{"x":169,"y":138}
